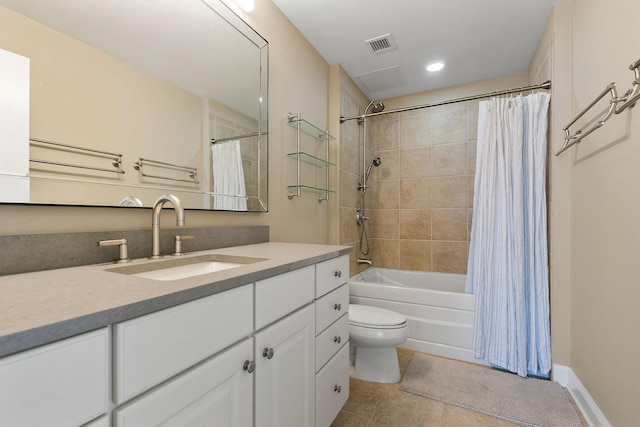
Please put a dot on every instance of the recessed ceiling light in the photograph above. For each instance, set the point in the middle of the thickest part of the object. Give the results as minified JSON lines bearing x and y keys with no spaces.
{"x":436,"y":66}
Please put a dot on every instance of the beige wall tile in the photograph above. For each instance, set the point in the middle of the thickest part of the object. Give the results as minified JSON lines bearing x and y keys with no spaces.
{"x":472,"y":120}
{"x":415,"y":162}
{"x":450,"y":257}
{"x":349,"y":156}
{"x":415,"y":255}
{"x":349,"y":193}
{"x":390,"y":167}
{"x":415,"y":193}
{"x":449,"y":192}
{"x":449,"y":224}
{"x":415,"y":224}
{"x":449,"y":159}
{"x":415,"y":131}
{"x":383,"y":135}
{"x":348,"y":228}
{"x":386,"y":194}
{"x":386,"y":253}
{"x":449,"y":126}
{"x":384,"y":224}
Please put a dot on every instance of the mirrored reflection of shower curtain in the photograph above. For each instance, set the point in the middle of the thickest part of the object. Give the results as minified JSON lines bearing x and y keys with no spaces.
{"x":508,"y":266}
{"x":228,"y":177}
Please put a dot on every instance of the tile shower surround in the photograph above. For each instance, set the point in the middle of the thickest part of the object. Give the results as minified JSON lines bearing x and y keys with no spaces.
{"x":420,"y":199}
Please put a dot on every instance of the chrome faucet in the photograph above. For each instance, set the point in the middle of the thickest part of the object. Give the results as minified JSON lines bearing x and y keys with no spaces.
{"x":155,"y":220}
{"x":365,"y":261}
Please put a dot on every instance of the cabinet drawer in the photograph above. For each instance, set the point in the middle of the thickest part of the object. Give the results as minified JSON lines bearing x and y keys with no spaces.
{"x":280,"y":295}
{"x":330,"y":307}
{"x":332,"y":388}
{"x":218,"y":392}
{"x":331,"y":340}
{"x":60,"y":384}
{"x":331,"y":274}
{"x":153,"y":348}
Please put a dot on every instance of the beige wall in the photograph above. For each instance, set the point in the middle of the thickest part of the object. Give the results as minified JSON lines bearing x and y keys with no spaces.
{"x":605,"y":207}
{"x":298,"y":82}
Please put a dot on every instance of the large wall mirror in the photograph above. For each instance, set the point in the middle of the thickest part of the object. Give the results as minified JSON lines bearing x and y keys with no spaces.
{"x":131,"y":99}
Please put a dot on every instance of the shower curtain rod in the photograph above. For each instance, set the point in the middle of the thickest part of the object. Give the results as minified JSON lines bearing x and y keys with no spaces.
{"x":545,"y":85}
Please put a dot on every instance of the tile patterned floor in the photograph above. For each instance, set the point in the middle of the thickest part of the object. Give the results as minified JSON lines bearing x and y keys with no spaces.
{"x":384,"y":405}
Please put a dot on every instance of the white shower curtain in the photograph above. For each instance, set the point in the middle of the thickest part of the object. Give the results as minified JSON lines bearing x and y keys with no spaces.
{"x":508,"y":268}
{"x":228,"y":177}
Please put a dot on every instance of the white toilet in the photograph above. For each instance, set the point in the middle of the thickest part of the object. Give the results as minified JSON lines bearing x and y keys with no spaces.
{"x":374,"y":334}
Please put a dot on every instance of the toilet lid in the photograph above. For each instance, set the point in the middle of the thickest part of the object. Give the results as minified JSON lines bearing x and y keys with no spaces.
{"x":374,"y":317}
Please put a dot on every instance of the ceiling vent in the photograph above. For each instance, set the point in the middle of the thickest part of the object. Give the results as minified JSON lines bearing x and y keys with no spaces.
{"x":381,"y":44}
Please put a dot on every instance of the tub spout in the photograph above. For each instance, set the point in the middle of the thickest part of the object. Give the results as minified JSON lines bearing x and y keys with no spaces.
{"x":365,"y":261}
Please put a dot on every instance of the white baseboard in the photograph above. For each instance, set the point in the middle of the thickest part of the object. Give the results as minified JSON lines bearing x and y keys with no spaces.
{"x":565,"y":376}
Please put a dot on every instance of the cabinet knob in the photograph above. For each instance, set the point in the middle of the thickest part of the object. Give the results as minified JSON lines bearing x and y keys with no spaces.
{"x":337,"y":389}
{"x":337,"y":306}
{"x":267,"y":352}
{"x":249,"y":366}
{"x":337,"y":340}
{"x":338,"y":273}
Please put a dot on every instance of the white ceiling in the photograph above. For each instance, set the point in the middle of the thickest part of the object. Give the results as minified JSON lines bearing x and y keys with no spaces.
{"x":477,"y":39}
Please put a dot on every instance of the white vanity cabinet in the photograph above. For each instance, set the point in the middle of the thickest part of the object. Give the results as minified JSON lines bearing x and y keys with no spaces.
{"x":285,"y":350}
{"x":284,"y":377}
{"x":218,"y":392}
{"x":61,"y":384}
{"x":153,"y":348}
{"x":272,"y":353}
{"x":332,"y":338}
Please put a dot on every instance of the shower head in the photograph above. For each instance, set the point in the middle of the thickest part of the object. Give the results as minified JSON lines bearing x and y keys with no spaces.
{"x":376,"y":107}
{"x":376,"y":161}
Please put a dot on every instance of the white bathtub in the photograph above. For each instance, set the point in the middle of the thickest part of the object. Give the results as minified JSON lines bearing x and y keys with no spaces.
{"x":439,"y":314}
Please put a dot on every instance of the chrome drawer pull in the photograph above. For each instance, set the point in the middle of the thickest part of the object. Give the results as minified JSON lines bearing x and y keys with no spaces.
{"x":337,"y":340}
{"x":337,"y":273}
{"x":337,"y":306}
{"x":337,"y":389}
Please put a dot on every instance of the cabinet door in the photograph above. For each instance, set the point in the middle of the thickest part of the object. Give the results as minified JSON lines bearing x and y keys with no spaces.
{"x":60,"y":384}
{"x":284,"y":382}
{"x":217,"y":393}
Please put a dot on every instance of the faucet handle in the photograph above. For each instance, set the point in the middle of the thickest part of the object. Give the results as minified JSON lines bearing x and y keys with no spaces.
{"x":178,"y":243}
{"x":123,"y":256}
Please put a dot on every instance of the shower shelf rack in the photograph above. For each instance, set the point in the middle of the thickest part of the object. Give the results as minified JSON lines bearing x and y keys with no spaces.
{"x":319,"y":136}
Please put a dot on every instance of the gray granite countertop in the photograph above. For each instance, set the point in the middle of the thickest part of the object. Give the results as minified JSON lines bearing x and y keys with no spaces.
{"x":43,"y":307}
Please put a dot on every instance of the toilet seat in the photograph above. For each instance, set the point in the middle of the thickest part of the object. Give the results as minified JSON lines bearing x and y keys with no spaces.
{"x":375,"y":318}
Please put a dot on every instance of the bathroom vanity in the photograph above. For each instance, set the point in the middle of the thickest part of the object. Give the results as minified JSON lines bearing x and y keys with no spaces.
{"x":262,"y":343}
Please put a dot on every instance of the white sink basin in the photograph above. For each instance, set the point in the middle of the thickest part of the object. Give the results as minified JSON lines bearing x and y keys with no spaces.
{"x":182,"y":268}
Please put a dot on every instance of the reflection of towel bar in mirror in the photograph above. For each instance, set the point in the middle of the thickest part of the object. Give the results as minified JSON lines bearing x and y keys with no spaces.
{"x":116,"y":159}
{"x":629,"y":99}
{"x":231,"y":138}
{"x":193,"y":172}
